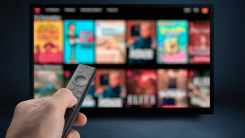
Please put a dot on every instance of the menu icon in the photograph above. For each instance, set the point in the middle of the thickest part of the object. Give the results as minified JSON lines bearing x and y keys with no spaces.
{"x":37,"y":10}
{"x":204,"y":10}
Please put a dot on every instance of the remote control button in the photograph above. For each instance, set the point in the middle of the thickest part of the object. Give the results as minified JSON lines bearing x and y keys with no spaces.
{"x":80,"y":90}
{"x":71,"y":87}
{"x":80,"y":70}
{"x":89,"y":72}
{"x":78,"y":95}
{"x":80,"y":80}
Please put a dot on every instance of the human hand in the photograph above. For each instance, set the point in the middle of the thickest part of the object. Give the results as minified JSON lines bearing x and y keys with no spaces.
{"x":44,"y":118}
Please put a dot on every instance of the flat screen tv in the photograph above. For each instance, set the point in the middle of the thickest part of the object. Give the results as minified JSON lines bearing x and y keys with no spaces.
{"x":151,"y":59}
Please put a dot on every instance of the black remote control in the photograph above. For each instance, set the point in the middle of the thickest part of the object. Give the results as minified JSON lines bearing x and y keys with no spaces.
{"x":79,"y":86}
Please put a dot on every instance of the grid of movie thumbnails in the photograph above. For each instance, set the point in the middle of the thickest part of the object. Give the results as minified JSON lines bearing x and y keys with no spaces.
{"x":62,"y":43}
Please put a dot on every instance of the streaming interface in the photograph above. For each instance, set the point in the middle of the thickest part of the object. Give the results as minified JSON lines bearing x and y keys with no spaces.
{"x":147,"y":57}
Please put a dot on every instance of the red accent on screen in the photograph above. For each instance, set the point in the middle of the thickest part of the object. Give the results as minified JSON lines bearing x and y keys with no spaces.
{"x":37,"y":10}
{"x":67,"y":74}
{"x":192,"y":47}
{"x":89,"y":37}
{"x":191,"y":24}
{"x":199,"y":59}
{"x":204,"y":10}
{"x":129,"y":25}
{"x":98,"y":74}
{"x":184,"y":73}
{"x":191,"y":73}
{"x":129,"y":73}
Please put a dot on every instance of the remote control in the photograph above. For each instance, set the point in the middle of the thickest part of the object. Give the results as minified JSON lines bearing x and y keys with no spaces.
{"x":79,"y":86}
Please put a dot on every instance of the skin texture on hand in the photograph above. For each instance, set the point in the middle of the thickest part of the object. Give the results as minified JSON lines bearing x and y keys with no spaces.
{"x":44,"y":118}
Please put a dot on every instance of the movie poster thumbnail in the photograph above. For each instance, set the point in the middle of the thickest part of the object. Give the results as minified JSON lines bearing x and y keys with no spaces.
{"x":141,"y":41}
{"x":141,"y":88}
{"x":199,"y":88}
{"x":199,"y":41}
{"x":110,"y":46}
{"x":48,"y":79}
{"x":79,"y":41}
{"x":48,"y":42}
{"x":172,"y":88}
{"x":110,"y":87}
{"x":172,"y":41}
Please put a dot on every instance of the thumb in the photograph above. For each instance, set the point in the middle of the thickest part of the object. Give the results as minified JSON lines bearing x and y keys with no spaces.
{"x":63,"y":99}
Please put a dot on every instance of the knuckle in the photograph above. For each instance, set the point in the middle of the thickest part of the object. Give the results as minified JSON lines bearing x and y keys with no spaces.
{"x":51,"y":105}
{"x":19,"y":105}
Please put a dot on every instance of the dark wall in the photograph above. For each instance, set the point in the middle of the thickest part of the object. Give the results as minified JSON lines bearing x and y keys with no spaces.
{"x":229,"y":77}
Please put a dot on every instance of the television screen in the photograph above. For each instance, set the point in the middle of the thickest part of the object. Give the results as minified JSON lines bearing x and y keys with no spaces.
{"x":151,"y":59}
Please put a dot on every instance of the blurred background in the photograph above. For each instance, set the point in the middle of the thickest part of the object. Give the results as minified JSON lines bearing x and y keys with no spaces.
{"x":227,"y":120}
